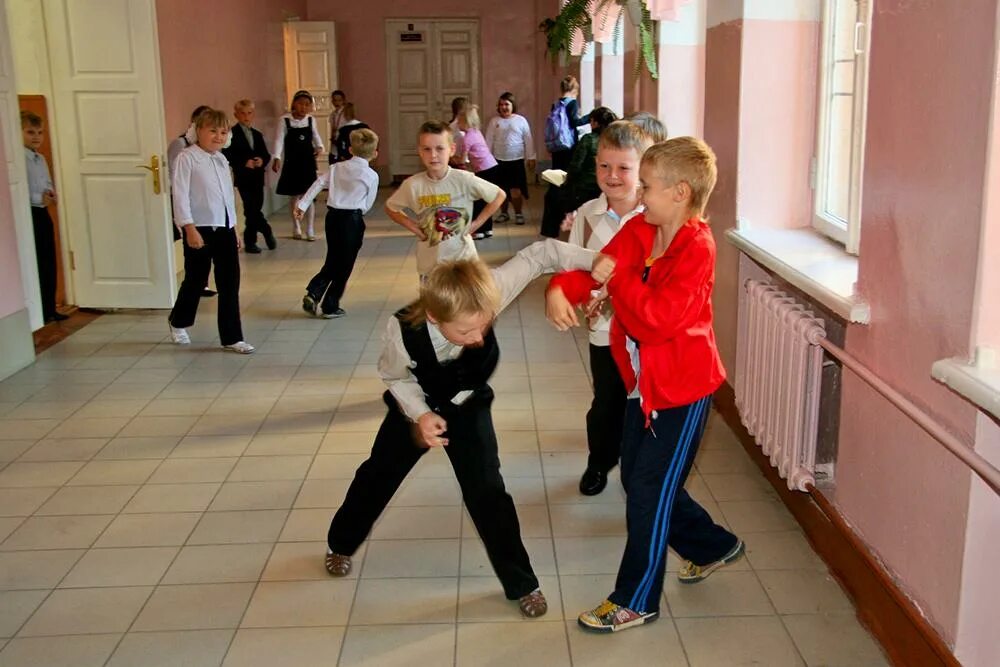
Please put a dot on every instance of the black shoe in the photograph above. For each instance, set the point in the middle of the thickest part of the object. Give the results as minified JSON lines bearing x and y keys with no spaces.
{"x":339,"y":312}
{"x":593,"y":482}
{"x":208,"y":292}
{"x":271,"y":242}
{"x":56,"y":317}
{"x":309,"y":304}
{"x":251,"y":250}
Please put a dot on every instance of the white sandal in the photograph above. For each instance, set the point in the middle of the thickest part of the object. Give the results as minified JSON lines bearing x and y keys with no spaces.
{"x":241,"y":347}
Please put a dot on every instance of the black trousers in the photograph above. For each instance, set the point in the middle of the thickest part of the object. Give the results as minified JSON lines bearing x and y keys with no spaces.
{"x":472,"y":450}
{"x":478,"y":205}
{"x":606,"y":416}
{"x":220,"y":250}
{"x":658,"y":511}
{"x":45,"y":255}
{"x":345,"y":234}
{"x":252,"y":194}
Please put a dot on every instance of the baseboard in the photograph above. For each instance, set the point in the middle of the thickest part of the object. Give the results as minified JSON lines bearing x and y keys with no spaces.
{"x":17,"y":350}
{"x":907,"y":637}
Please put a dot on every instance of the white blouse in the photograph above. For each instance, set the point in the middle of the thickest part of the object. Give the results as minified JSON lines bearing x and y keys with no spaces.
{"x":510,"y":138}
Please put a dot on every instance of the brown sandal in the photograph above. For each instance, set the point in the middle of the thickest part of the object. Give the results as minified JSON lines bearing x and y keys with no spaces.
{"x":338,"y":565}
{"x":533,"y":604}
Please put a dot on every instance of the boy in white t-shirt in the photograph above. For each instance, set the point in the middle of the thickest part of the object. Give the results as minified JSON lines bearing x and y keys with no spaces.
{"x":436,"y":204}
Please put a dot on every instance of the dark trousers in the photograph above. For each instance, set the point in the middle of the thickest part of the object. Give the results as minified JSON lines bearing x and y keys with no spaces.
{"x":478,"y":205}
{"x":219,"y":249}
{"x":606,"y":416}
{"x":255,"y":223}
{"x":345,"y":233}
{"x":472,"y":450}
{"x":45,"y":254}
{"x":655,"y":462}
{"x":561,"y":159}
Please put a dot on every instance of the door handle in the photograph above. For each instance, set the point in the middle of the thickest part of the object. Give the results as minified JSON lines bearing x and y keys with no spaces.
{"x":154,"y":167}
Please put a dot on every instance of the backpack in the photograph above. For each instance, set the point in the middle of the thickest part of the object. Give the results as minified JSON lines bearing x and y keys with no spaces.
{"x":558,"y":133}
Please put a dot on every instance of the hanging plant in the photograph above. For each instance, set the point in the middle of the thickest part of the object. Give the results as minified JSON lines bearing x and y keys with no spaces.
{"x":578,"y":15}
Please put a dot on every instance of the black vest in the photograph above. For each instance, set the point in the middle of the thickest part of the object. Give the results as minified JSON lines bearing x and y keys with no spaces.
{"x":441,"y":381}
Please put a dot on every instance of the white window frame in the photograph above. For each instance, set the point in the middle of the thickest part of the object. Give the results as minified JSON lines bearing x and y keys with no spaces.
{"x":847,"y":232}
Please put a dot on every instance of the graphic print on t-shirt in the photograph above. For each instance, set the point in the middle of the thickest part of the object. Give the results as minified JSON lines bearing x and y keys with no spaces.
{"x":438,"y":219}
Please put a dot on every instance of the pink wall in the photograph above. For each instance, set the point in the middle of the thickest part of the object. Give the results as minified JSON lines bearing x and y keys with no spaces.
{"x":512,"y":54}
{"x":12,"y":294}
{"x":988,"y":318}
{"x":929,"y":95}
{"x":682,"y":88}
{"x":218,"y":56}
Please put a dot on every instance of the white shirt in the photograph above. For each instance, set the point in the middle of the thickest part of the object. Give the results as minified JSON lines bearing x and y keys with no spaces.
{"x":510,"y":138}
{"x":511,"y":277}
{"x":279,"y":140}
{"x":39,"y":180}
{"x":353,"y":185}
{"x":595,"y":225}
{"x":202,"y":188}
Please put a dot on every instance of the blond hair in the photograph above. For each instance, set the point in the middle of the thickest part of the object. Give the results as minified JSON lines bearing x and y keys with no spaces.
{"x":650,"y":124}
{"x":472,"y":116}
{"x":624,"y":135}
{"x":453,"y":289}
{"x":212,"y":118}
{"x":688,"y":160}
{"x":243,"y":105}
{"x":364,"y":142}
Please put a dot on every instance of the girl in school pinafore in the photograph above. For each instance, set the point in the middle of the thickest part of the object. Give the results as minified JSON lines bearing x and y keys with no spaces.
{"x":298,"y":171}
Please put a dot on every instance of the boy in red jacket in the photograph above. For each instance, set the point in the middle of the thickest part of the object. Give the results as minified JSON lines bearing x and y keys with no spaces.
{"x":658,"y":273}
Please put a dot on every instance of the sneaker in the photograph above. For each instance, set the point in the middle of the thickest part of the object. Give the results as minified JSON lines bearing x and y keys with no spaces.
{"x":479,"y":236}
{"x":179,"y":336}
{"x":251,"y":250}
{"x":241,"y":347}
{"x":339,"y":312}
{"x":692,"y":574}
{"x":489,"y":233}
{"x":502,"y":217}
{"x":309,"y":304}
{"x":310,"y":237}
{"x":518,"y":219}
{"x":610,"y":617}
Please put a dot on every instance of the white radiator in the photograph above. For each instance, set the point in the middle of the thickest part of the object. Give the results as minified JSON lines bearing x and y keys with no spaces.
{"x":779,"y":366}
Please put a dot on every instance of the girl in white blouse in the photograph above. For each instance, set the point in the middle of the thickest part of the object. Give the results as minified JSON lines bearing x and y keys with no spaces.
{"x":508,"y":137}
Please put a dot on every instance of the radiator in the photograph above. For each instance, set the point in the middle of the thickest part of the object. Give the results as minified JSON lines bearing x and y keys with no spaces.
{"x":779,"y":368}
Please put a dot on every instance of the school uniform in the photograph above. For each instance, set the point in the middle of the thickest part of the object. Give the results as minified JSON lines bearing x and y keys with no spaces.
{"x":510,"y":141}
{"x":343,"y":139}
{"x":296,"y":144}
{"x":336,"y":120}
{"x":39,"y":182}
{"x":202,"y":192}
{"x":248,"y":143}
{"x":353,"y":188}
{"x":426,"y":372}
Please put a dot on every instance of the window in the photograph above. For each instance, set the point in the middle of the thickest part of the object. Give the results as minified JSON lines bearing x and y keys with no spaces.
{"x":840,"y":135}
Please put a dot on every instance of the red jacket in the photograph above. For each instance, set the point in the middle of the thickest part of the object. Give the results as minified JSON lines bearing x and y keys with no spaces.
{"x":669,"y":315}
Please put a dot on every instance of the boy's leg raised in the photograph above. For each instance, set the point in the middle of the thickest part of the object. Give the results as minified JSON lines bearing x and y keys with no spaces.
{"x":349,"y":235}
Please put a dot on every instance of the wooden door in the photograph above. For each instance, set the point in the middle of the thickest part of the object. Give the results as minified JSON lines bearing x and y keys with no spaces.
{"x":311,"y":64}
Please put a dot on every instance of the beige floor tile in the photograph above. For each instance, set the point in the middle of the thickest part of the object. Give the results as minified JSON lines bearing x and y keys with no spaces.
{"x":322,"y":493}
{"x":750,"y":516}
{"x":783,"y":550}
{"x":300,"y":603}
{"x":86,"y":611}
{"x":589,"y":555}
{"x":12,"y":449}
{"x":38,"y":474}
{"x":26,"y":570}
{"x":298,"y":422}
{"x":267,"y":468}
{"x":92,"y":427}
{"x":739,"y":486}
{"x":289,"y":444}
{"x":255,"y":496}
{"x":737,"y":641}
{"x":834,"y":640}
{"x":326,"y":403}
{"x":174,"y":407}
{"x":519,"y":464}
{"x":306,"y":525}
{"x":526,"y":490}
{"x":428,"y":492}
{"x":154,"y":498}
{"x":356,"y":422}
{"x":514,"y":420}
{"x":179,"y":471}
{"x":8,"y":525}
{"x":26,"y":429}
{"x":803,"y":591}
{"x":114,"y":472}
{"x":500,"y":644}
{"x":565,"y":464}
{"x":136,"y":566}
{"x":192,"y":648}
{"x":718,"y":461}
{"x":657,"y":644}
{"x":153,"y":447}
{"x":411,"y":558}
{"x":80,"y":651}
{"x":194,"y":607}
{"x":424,"y":600}
{"x":16,"y":607}
{"x":474,"y":561}
{"x":122,"y":407}
{"x":44,"y":410}
{"x":304,"y":561}
{"x":57,"y":532}
{"x":88,"y":500}
{"x":239,"y":527}
{"x":266,"y":647}
{"x":518,"y":441}
{"x":231,"y":563}
{"x":398,"y":645}
{"x":210,"y":446}
{"x":729,"y":593}
{"x":226,"y":424}
{"x":149,"y":530}
{"x":403,"y":523}
{"x":566,"y":490}
{"x":348,"y":443}
{"x":24,"y":501}
{"x":242,"y":405}
{"x":482,"y":599}
{"x":588,"y":520}
{"x":67,"y":449}
{"x":202,"y":390}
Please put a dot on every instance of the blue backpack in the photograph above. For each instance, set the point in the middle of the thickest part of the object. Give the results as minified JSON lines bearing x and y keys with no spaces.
{"x":558,"y":132}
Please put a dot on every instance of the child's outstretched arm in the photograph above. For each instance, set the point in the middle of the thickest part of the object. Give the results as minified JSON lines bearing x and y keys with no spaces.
{"x":305,"y":201}
{"x":538,"y":258}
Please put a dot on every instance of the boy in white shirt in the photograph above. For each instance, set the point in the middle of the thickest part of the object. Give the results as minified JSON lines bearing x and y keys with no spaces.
{"x":436,"y":203}
{"x":353,"y":187}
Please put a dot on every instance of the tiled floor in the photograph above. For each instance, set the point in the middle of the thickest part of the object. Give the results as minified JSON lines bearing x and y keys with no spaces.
{"x":168,"y":506}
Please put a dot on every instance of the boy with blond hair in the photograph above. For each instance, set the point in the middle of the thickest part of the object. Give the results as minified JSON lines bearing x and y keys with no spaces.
{"x":659,"y":271}
{"x":436,"y":204}
{"x":353,"y":187}
{"x":248,"y":156}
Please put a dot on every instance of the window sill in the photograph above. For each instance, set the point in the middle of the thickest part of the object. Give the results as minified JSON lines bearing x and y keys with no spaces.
{"x":810,"y":262}
{"x":978,"y":382}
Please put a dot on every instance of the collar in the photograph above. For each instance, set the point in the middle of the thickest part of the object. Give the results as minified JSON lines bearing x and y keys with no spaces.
{"x":437,"y":338}
{"x":32,"y":153}
{"x":447,"y":173}
{"x":201,"y":155}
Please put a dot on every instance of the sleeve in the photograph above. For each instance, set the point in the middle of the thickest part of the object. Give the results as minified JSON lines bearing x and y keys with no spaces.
{"x":180,"y":189}
{"x":394,"y":369}
{"x":279,"y":139}
{"x":575,"y":285}
{"x":317,"y":137}
{"x":372,"y":194}
{"x":402,"y":197}
{"x":529,"y":142}
{"x":261,"y":147}
{"x":576,"y":234}
{"x":48,"y":175}
{"x":323,"y":180}
{"x":480,"y":188}
{"x":490,"y":136}
{"x":538,"y":258}
{"x":655,"y":313}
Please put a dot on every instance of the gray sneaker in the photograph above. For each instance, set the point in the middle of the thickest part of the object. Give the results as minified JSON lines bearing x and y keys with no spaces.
{"x":340,"y":312}
{"x":309,"y":304}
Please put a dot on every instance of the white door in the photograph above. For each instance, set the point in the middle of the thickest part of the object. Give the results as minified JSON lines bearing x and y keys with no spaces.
{"x":430,"y":63}
{"x":10,"y":128}
{"x":108,"y":115}
{"x":311,"y":64}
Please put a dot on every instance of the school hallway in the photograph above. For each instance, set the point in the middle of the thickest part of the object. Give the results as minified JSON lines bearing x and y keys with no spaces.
{"x":167,"y":505}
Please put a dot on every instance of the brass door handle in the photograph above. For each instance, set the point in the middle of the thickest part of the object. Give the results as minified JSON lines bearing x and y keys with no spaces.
{"x":154,"y":167}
